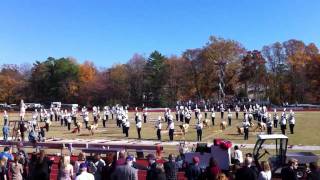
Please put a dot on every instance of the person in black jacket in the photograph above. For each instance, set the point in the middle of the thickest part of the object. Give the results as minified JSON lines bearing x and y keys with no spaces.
{"x":42,"y":167}
{"x":152,"y":169}
{"x":170,"y":168}
{"x":289,"y":172}
{"x":314,"y":173}
{"x":248,"y":171}
{"x":193,"y":172}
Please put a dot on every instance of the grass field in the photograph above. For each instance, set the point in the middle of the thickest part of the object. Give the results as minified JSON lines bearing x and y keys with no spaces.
{"x":306,"y":130}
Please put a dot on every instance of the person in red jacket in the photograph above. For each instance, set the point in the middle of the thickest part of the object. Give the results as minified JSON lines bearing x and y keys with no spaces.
{"x":213,"y":169}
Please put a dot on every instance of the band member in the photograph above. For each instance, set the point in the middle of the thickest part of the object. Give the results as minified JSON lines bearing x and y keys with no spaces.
{"x":213,"y":116}
{"x":292,"y":121}
{"x":47,"y":120}
{"x":196,"y":111}
{"x":23,"y":108}
{"x":171,"y":128}
{"x":275,"y":119}
{"x":229,"y":117}
{"x":205,"y":112}
{"x":66,"y":116}
{"x":222,"y":111}
{"x":23,"y":129}
{"x":136,"y":117}
{"x":118,"y":118}
{"x":69,"y":120}
{"x":51,"y":114}
{"x":74,"y":115}
{"x":42,"y":115}
{"x":158,"y":126}
{"x":106,"y":113}
{"x":269,"y":124}
{"x":246,"y":125}
{"x":61,"y":117}
{"x":187,"y":116}
{"x":199,"y":128}
{"x":177,"y":113}
{"x":181,"y":114}
{"x":145,"y":114}
{"x":127,"y":127}
{"x":283,"y":122}
{"x":139,"y":126}
{"x":5,"y":117}
{"x":95,"y":114}
{"x":85,"y":115}
{"x":237,"y":109}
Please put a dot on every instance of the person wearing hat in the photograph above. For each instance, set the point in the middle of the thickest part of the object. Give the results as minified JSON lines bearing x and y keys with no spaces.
{"x":145,"y":114}
{"x":269,"y":124}
{"x":187,"y":116}
{"x":222,"y":111}
{"x":171,"y":128}
{"x":84,"y":175}
{"x":199,"y":128}
{"x":139,"y":126}
{"x":152,"y":169}
{"x":127,"y":127}
{"x":229,"y":117}
{"x":158,"y":126}
{"x":5,"y":117}
{"x":125,"y":172}
{"x":283,"y":123}
{"x":193,"y":172}
{"x":237,"y":109}
{"x":246,"y":125}
{"x":213,"y":115}
{"x":292,"y":121}
{"x":275,"y":119}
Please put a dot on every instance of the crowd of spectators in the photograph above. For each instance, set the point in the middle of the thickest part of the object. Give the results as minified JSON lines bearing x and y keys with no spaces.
{"x":18,"y":166}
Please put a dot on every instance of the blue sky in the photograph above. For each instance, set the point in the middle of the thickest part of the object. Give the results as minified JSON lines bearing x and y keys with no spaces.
{"x":111,"y":31}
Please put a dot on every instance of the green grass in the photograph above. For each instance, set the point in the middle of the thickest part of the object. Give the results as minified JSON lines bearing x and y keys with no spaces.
{"x":306,"y":130}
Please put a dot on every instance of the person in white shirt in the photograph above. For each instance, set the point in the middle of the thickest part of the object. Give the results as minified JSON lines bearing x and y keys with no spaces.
{"x":246,"y":125}
{"x":145,"y":114}
{"x":269,"y":124}
{"x":23,"y":108}
{"x":229,"y":117}
{"x":187,"y":116}
{"x":265,"y":174}
{"x":127,"y":127}
{"x":158,"y":126}
{"x":237,"y":154}
{"x":213,"y":116}
{"x":139,"y":126}
{"x":5,"y":117}
{"x":85,"y":115}
{"x":237,"y":109}
{"x":283,"y":122}
{"x":171,"y":128}
{"x":222,"y":111}
{"x":84,"y":175}
{"x":199,"y":128}
{"x":292,"y":121}
{"x":106,"y":113}
{"x":275,"y":119}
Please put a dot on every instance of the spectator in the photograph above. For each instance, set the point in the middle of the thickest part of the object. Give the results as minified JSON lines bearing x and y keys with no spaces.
{"x":314,"y":173}
{"x":159,"y":173}
{"x":99,"y":164}
{"x":151,"y":173}
{"x":213,"y":169}
{"x":16,"y":169}
{"x":171,"y":168}
{"x":121,"y":160}
{"x":5,"y":132}
{"x":81,"y":159}
{"x":24,"y":160}
{"x":193,"y":172}
{"x":84,"y":175}
{"x":289,"y":172}
{"x":3,"y":169}
{"x":32,"y":164}
{"x":265,"y":174}
{"x":247,"y":171}
{"x":221,"y":176}
{"x":108,"y":169}
{"x":125,"y":172}
{"x":237,"y":155}
{"x":66,"y":169}
{"x":42,"y":167}
{"x":7,"y":153}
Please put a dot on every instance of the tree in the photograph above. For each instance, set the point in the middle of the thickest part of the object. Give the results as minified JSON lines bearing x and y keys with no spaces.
{"x":155,"y":79}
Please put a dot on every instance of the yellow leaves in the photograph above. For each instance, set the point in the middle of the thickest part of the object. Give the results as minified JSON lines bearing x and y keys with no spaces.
{"x":87,"y":72}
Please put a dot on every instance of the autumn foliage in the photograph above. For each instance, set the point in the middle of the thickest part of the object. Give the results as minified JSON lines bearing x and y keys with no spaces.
{"x":280,"y":72}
